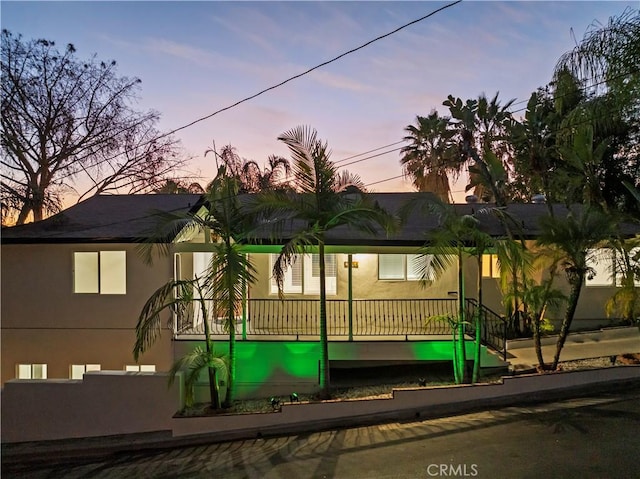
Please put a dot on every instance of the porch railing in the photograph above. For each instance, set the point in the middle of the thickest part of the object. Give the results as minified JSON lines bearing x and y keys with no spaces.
{"x":369,"y":317}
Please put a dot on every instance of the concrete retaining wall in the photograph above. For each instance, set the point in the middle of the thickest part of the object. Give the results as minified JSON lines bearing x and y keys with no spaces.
{"x":115,"y":403}
{"x":103,"y":403}
{"x":405,"y":403}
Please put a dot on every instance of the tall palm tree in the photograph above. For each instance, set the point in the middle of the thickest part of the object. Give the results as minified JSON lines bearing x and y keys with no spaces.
{"x":481,"y":126}
{"x":325,"y":199}
{"x":227,"y":222}
{"x":571,"y":241}
{"x":428,"y":159}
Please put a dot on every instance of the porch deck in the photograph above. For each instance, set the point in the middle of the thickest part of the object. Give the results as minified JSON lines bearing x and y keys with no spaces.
{"x":361,"y":320}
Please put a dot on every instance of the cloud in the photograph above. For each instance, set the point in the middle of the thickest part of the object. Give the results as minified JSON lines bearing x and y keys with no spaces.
{"x":249,"y":24}
{"x":340,"y":82}
{"x":186,"y":52}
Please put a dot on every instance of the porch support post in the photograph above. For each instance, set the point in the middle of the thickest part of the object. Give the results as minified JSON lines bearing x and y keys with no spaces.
{"x":244,"y":309}
{"x":350,"y":297}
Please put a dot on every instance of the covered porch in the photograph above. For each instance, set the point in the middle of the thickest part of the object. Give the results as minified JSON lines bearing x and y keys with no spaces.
{"x":348,"y":320}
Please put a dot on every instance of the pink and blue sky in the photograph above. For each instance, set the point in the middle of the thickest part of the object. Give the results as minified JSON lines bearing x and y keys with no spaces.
{"x":196,"y":57}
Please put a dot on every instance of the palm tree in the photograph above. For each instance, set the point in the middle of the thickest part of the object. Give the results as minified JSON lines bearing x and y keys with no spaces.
{"x":481,"y":127}
{"x":228,"y":223}
{"x":176,"y":187}
{"x":456,"y":237}
{"x":252,"y":178}
{"x":324,"y":200}
{"x":605,"y":66}
{"x":570,"y":241}
{"x":427,"y":160}
{"x":607,"y":59}
{"x":625,"y":302}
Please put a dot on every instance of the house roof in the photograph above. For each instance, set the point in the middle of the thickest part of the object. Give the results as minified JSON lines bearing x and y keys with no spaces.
{"x":128,"y":218}
{"x":522,"y":220}
{"x":102,"y":219}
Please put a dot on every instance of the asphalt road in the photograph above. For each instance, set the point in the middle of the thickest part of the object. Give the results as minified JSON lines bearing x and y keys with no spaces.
{"x":593,"y":437}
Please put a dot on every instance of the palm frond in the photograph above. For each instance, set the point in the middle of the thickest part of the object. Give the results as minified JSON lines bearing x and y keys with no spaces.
{"x":193,"y":364}
{"x":288,"y":255}
{"x":166,"y":228}
{"x":171,"y":296}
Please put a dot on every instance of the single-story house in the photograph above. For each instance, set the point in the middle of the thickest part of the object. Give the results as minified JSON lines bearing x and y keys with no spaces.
{"x":73,"y":286}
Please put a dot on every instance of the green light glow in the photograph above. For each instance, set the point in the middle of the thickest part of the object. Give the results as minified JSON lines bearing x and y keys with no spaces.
{"x":260,"y":363}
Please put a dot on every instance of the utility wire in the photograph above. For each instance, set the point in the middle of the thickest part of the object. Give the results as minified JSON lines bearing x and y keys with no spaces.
{"x":255,"y":95}
{"x":587,"y":120}
{"x":370,"y":151}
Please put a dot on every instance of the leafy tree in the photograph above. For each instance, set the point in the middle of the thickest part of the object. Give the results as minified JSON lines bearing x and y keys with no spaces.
{"x":428,"y":160}
{"x":535,"y":149}
{"x":228,"y":222}
{"x":324,"y":199}
{"x":67,"y":123}
{"x":570,"y":242}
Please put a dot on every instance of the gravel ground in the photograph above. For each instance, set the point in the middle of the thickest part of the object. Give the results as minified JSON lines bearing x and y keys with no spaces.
{"x":603,"y":362}
{"x":379,"y":382}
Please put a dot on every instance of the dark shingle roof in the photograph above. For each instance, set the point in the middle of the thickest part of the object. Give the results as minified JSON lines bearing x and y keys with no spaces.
{"x":523,"y":220}
{"x":127,"y":218}
{"x":103,"y":218}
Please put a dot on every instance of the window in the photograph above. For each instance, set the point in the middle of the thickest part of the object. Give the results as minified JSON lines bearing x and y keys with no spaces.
{"x":101,"y":272}
{"x":490,"y":267}
{"x":31,"y":371}
{"x":605,"y":264}
{"x":142,"y":368}
{"x":405,"y":267}
{"x":76,"y":371}
{"x":634,"y":258}
{"x":601,"y":262}
{"x":303,"y":276}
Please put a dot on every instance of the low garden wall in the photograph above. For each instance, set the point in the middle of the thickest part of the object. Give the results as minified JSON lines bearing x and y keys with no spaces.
{"x":103,"y":403}
{"x":118,"y":403}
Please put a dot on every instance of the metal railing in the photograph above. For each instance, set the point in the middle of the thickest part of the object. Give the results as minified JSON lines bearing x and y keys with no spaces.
{"x":493,"y":332}
{"x":369,"y":317}
{"x":300,"y":317}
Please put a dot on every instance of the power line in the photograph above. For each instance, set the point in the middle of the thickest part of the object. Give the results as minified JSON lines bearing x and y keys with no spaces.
{"x":370,"y":151}
{"x":255,"y":95}
{"x":370,"y":157}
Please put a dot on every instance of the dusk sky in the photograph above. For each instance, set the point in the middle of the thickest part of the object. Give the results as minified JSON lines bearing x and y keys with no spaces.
{"x":197,"y":57}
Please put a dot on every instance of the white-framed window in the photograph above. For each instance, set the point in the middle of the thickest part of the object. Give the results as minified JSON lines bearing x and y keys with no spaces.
{"x":31,"y":371}
{"x":605,"y":267}
{"x":405,"y":267}
{"x":601,"y":261}
{"x":490,"y":266}
{"x":103,"y":272}
{"x":76,"y":371}
{"x":140,"y":368}
{"x":303,"y":275}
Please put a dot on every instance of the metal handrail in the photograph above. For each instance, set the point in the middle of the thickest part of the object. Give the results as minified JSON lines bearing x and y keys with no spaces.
{"x":493,"y":331}
{"x":300,"y":317}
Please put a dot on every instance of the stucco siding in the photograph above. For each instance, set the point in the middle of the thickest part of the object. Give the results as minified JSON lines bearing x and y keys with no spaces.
{"x":44,"y":321}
